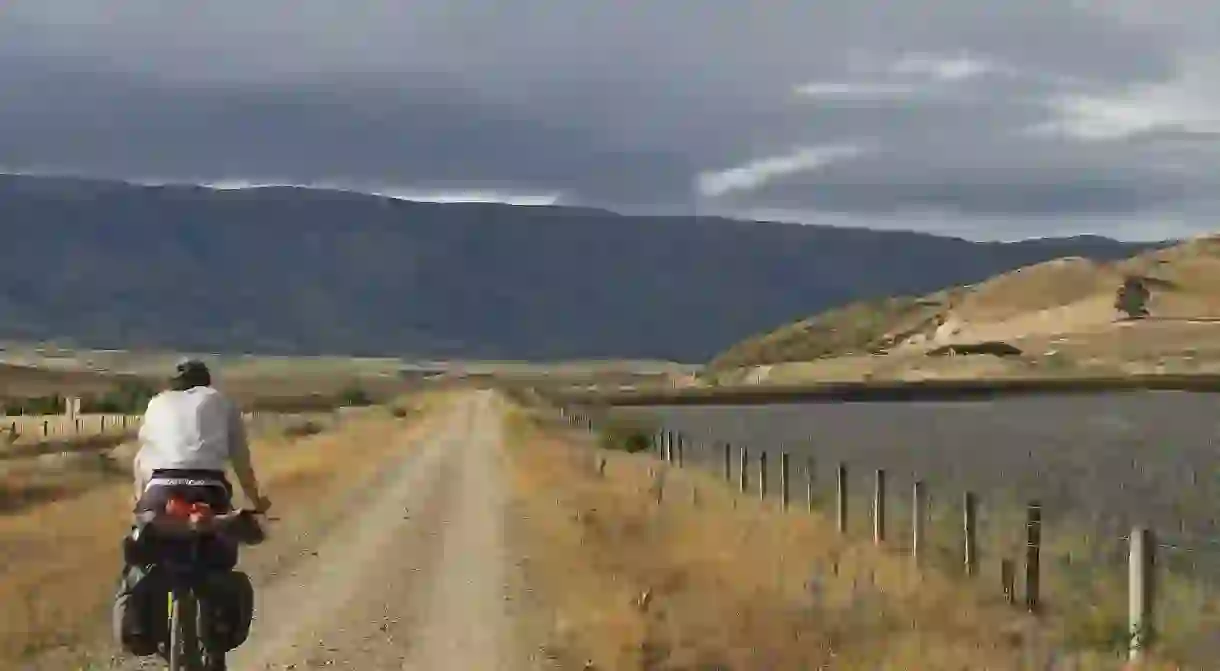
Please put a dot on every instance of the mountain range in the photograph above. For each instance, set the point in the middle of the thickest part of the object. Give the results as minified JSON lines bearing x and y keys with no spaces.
{"x":293,"y":270}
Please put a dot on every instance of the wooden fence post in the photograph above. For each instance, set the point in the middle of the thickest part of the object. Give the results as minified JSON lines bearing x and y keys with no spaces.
{"x":1008,"y":579}
{"x":728,"y":462}
{"x":1033,"y":548}
{"x":1141,"y":591}
{"x":879,"y":508}
{"x":762,"y":475}
{"x":784,"y":490}
{"x":969,"y":537}
{"x":681,"y":442}
{"x":841,"y":511}
{"x":918,"y":503}
{"x":743,"y":471}
{"x":810,"y":482}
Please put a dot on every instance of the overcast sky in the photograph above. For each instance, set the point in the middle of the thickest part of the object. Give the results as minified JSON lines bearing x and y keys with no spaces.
{"x":980,"y":118}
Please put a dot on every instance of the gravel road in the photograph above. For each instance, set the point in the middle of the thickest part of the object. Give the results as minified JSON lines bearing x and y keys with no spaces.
{"x":415,"y":577}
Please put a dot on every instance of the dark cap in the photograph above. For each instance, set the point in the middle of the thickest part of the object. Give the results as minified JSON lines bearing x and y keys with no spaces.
{"x":190,"y":373}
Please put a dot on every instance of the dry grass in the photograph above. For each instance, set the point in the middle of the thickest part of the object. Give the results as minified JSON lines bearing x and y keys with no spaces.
{"x":29,"y":482}
{"x":67,"y":467}
{"x":735,"y":584}
{"x":26,"y":381}
{"x":1083,"y":577}
{"x":854,"y":328}
{"x":61,"y":557}
{"x":1150,"y":347}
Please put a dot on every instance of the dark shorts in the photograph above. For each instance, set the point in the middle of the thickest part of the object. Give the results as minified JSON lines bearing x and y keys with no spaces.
{"x":193,"y":486}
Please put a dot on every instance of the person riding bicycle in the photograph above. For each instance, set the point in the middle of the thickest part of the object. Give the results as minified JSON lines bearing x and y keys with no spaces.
{"x":191,"y":432}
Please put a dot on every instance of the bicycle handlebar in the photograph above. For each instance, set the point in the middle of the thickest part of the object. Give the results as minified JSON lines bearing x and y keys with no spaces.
{"x":224,"y":522}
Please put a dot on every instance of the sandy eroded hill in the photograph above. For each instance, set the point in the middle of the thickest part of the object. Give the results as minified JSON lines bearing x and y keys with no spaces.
{"x":1059,"y":313}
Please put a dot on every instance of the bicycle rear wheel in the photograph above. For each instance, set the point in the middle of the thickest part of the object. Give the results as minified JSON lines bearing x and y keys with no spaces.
{"x":184,"y":652}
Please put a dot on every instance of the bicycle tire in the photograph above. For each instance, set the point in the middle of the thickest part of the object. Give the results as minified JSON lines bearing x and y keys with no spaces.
{"x":183,"y":633}
{"x":173,"y":647}
{"x":209,"y":660}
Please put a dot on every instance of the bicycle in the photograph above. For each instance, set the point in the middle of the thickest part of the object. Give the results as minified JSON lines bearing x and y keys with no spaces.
{"x":193,"y":525}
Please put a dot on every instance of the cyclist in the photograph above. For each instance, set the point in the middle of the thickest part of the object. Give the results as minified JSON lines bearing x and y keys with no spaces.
{"x":191,"y":432}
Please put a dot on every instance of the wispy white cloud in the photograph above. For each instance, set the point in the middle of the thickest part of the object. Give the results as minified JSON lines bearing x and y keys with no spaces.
{"x":912,"y":75}
{"x":1086,"y":117}
{"x":756,"y":173}
{"x":1189,"y":103}
{"x":855,"y":90}
{"x":397,"y":193}
{"x":954,"y":68}
{"x":1100,"y":118}
{"x":469,"y":196}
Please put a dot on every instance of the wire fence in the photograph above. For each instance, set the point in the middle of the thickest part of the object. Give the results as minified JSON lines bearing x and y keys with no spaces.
{"x":34,"y":434}
{"x":1126,"y":589}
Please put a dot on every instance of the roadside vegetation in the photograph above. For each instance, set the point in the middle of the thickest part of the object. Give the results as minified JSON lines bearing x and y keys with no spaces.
{"x":646,"y":567}
{"x":127,"y":398}
{"x":629,"y":435}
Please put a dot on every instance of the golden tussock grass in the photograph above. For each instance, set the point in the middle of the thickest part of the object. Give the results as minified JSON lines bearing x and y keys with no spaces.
{"x":61,"y":558}
{"x":708,"y":580}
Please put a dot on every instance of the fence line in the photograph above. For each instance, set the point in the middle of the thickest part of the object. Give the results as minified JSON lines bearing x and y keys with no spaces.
{"x":1142,"y":542}
{"x":31,"y":430}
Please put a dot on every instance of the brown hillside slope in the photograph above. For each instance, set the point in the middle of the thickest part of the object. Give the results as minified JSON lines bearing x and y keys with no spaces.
{"x":1062,"y":308}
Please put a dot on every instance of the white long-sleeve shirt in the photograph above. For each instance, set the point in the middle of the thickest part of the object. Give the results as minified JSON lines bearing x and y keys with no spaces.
{"x":194,"y":429}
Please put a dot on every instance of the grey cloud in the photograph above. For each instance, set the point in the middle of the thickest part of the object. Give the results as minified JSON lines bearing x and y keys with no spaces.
{"x":1003,"y":175}
{"x":611,"y":103}
{"x":427,"y":136}
{"x":1178,"y":134}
